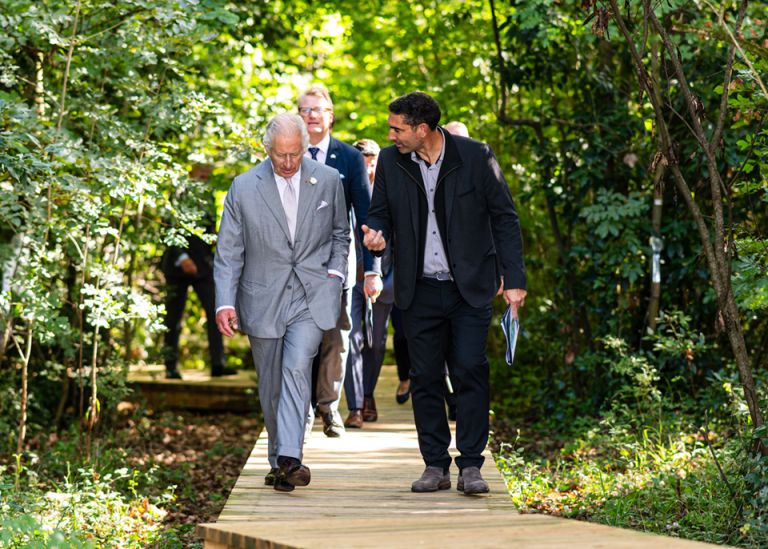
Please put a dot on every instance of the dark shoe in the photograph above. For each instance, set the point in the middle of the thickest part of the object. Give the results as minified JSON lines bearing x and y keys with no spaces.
{"x":354,"y":420}
{"x":173,"y":374}
{"x":471,"y":482}
{"x":369,"y":409}
{"x":402,"y":398}
{"x":432,"y":480}
{"x":332,"y":426}
{"x":218,"y":372}
{"x":282,"y":486}
{"x":290,"y":474}
{"x":299,"y":476}
{"x":269,"y":480}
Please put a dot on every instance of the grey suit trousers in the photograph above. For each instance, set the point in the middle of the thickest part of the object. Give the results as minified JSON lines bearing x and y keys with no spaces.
{"x":284,"y":367}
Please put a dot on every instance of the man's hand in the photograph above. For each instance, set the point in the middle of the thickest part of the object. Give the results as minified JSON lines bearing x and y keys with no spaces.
{"x":515,"y":298}
{"x":189,"y":267}
{"x":373,"y":240}
{"x":373,"y":286}
{"x":226,"y":320}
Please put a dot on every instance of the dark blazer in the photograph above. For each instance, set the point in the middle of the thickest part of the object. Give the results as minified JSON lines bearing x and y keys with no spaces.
{"x":198,"y":250}
{"x":475,"y":214}
{"x":350,"y":165}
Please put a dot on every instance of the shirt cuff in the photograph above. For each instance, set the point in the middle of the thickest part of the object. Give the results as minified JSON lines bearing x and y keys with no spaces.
{"x":224,"y":307}
{"x":368,"y":273}
{"x":337,"y":273}
{"x":183,"y":257}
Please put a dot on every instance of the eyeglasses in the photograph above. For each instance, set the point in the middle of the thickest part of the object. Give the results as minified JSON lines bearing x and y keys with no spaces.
{"x":314,"y":110}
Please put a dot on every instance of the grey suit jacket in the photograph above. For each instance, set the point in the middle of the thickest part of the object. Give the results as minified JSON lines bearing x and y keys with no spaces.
{"x":255,"y":258}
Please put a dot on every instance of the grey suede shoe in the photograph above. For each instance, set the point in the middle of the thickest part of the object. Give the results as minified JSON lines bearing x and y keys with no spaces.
{"x":432,"y":480}
{"x":471,"y":482}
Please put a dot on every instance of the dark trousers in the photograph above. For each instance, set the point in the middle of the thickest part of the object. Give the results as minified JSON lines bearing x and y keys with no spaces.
{"x":176,"y":301}
{"x":400,"y":343}
{"x":440,"y":323}
{"x":364,"y":361}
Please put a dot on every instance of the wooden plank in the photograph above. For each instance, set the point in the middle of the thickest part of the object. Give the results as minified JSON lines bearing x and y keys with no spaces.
{"x":360,"y":497}
{"x":196,"y":391}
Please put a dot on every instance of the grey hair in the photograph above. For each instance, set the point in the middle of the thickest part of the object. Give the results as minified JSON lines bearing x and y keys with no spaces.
{"x":285,"y":123}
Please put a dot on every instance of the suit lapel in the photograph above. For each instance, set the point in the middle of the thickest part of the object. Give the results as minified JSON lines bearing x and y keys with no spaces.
{"x":332,"y":158}
{"x":414,"y":187}
{"x":306,"y":193}
{"x":267,"y":187}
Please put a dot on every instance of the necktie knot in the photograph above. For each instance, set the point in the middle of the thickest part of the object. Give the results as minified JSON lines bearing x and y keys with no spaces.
{"x":313,"y":151}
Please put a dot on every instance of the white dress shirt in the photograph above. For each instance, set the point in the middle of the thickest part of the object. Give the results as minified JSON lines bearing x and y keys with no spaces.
{"x":322,"y":154}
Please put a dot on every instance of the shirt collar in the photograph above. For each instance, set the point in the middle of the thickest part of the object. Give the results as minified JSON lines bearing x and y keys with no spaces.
{"x":294,"y":177}
{"x":324,"y":144}
{"x":416,"y":158}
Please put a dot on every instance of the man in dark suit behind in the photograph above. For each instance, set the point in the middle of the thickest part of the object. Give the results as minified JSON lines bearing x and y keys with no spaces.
{"x":316,"y":109}
{"x":366,"y":357}
{"x":442,"y":202}
{"x":183,"y":267}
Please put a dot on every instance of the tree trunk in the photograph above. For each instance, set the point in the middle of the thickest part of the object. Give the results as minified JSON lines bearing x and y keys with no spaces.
{"x":712,"y":235}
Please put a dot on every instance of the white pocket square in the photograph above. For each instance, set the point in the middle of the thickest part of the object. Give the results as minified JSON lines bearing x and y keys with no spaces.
{"x":322,"y":205}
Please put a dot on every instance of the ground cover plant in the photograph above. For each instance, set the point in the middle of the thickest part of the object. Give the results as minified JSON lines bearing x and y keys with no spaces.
{"x":156,"y":477}
{"x":654,"y":459}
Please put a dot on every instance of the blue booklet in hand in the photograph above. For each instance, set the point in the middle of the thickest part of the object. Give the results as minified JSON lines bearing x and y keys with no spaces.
{"x":510,"y":326}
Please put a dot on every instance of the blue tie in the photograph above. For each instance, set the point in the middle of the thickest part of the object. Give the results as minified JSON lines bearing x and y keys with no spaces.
{"x":313,"y":151}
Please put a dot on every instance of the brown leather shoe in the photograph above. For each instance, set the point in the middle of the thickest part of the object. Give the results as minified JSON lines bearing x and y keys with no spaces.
{"x":282,"y":486}
{"x":354,"y":420}
{"x":290,"y":474}
{"x":369,"y":409}
{"x":298,"y":476}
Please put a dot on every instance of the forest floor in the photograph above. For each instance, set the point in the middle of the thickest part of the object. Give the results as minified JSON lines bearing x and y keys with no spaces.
{"x":201,"y":454}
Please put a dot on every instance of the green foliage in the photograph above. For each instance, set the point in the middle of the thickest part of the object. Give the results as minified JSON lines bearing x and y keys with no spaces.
{"x":755,"y":525}
{"x":85,"y":511}
{"x":659,"y":478}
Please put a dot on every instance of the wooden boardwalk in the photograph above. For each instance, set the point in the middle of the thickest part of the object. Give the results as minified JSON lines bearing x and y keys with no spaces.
{"x":360,"y":497}
{"x":196,"y":391}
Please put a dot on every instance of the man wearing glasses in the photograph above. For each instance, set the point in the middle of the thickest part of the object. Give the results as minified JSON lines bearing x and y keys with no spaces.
{"x":316,"y":109}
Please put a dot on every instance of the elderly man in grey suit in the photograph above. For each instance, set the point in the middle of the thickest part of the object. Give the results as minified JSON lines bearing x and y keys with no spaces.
{"x":279,"y":269}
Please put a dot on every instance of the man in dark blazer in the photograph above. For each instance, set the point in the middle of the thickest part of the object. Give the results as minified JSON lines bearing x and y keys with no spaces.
{"x":183,"y":267}
{"x":441,"y":202}
{"x":316,"y":109}
{"x":365,"y":357}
